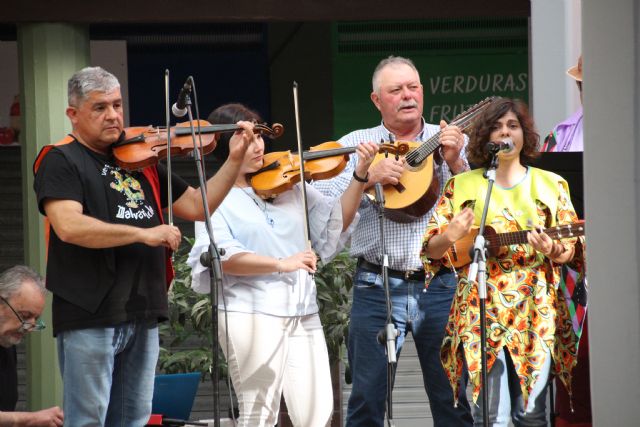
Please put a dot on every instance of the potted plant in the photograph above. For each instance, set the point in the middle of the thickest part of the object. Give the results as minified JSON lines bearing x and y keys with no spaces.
{"x":186,"y":338}
{"x":334,"y":281}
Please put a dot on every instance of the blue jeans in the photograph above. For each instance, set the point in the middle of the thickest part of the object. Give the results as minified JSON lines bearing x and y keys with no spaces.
{"x":108,"y":374}
{"x":505,"y":396}
{"x":425,"y":314}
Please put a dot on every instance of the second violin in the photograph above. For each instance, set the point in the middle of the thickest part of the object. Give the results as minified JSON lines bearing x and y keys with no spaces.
{"x":281,"y":170}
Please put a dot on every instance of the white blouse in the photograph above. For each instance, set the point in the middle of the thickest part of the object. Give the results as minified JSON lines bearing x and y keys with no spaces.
{"x":246,"y":223}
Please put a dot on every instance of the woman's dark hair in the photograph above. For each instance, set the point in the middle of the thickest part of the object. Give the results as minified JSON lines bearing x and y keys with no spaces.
{"x":229,"y":114}
{"x":484,"y":124}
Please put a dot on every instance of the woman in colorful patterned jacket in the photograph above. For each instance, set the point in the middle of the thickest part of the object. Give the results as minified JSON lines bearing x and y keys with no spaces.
{"x":528,"y":325}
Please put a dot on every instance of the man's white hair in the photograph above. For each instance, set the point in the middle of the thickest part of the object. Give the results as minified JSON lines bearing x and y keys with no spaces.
{"x":87,"y":80}
{"x":11,"y":280}
{"x":390,"y":61}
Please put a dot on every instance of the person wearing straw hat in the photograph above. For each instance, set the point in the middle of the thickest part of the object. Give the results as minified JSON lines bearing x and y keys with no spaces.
{"x":567,"y":135}
{"x":573,"y":411}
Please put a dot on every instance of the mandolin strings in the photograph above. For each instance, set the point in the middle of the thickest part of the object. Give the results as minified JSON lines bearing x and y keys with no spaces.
{"x":464,"y":120}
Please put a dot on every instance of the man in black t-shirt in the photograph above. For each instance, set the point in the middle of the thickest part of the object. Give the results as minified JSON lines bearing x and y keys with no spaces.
{"x":107,"y":254}
{"x":21,"y":302}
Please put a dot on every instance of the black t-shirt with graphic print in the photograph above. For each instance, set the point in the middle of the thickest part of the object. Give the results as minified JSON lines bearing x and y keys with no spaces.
{"x":139,"y":292}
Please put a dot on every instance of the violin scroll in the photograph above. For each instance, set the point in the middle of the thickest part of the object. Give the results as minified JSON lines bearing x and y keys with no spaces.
{"x":275,"y":131}
{"x":400,"y":148}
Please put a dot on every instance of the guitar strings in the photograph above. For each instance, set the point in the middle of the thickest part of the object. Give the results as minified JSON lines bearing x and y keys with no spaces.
{"x":464,"y":120}
{"x":556,"y":233}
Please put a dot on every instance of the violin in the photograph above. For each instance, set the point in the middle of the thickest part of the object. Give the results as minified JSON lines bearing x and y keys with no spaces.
{"x":145,"y":145}
{"x":281,"y":170}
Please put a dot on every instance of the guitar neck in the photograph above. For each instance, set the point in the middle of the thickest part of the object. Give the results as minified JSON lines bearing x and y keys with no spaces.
{"x":575,"y":229}
{"x":464,"y":121}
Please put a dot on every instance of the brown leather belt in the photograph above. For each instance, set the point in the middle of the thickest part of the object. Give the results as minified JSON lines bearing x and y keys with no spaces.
{"x":416,"y":275}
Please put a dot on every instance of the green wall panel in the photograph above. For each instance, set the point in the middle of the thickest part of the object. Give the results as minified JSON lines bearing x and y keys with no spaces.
{"x":460,"y":62}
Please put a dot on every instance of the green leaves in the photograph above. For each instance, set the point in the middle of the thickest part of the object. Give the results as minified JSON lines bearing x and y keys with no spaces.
{"x":334,"y":281}
{"x":186,"y":338}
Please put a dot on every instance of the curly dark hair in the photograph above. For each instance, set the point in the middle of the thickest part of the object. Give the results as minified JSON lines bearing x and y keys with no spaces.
{"x":483,"y":127}
{"x":230,"y":114}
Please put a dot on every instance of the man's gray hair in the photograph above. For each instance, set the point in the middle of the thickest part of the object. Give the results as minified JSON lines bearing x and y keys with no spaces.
{"x":390,"y":61}
{"x":11,"y":280}
{"x":87,"y":80}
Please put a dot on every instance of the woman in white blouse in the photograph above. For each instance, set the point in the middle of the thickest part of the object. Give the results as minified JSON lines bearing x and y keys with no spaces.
{"x":276,"y":343}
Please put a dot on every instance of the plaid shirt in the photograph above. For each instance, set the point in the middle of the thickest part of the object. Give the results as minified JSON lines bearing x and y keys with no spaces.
{"x":402,"y":240}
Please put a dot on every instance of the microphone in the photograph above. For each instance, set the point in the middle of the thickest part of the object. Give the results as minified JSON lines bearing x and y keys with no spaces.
{"x":379,"y":194}
{"x":179,"y":109}
{"x":505,"y":145}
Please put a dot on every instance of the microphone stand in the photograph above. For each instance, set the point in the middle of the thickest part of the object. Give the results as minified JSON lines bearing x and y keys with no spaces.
{"x":211,"y":260}
{"x":479,"y":268}
{"x":387,"y":336}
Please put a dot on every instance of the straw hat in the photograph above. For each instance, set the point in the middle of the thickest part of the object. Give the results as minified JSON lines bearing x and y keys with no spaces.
{"x":575,"y":72}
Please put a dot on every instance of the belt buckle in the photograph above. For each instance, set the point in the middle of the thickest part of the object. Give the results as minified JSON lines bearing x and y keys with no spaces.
{"x":408,"y":274}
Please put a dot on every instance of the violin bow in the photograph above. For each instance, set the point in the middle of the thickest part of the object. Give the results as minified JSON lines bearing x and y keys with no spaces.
{"x":168,"y":118}
{"x":307,"y":229}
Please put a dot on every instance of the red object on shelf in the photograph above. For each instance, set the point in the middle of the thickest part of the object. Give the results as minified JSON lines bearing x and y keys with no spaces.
{"x":15,"y":107}
{"x":14,"y":116}
{"x":7,"y":136}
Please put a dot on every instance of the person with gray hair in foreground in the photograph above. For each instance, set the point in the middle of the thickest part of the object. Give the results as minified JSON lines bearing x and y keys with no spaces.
{"x":22,"y":298}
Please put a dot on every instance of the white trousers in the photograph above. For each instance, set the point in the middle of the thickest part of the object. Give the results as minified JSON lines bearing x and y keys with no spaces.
{"x":269,"y":356}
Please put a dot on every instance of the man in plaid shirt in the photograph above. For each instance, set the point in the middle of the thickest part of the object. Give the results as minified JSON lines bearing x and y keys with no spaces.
{"x":398,"y":95}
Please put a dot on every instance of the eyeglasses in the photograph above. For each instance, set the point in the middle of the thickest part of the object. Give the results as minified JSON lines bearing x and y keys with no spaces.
{"x":26,"y":326}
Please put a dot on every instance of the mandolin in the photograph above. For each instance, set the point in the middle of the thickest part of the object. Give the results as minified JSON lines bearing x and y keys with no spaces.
{"x":460,"y":252}
{"x":418,"y":188}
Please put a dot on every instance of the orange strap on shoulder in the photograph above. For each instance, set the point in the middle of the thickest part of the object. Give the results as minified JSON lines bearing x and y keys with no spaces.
{"x":45,"y":150}
{"x":36,"y":165}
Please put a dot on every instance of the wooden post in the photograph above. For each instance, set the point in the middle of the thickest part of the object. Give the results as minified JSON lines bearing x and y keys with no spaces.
{"x":48,"y":54}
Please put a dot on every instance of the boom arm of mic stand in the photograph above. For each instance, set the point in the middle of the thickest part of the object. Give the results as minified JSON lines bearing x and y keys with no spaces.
{"x":215,"y":275}
{"x":389,"y":333}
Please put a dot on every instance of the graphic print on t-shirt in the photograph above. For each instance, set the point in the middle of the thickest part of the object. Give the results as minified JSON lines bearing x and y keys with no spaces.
{"x":130,"y":187}
{"x":131,"y":202}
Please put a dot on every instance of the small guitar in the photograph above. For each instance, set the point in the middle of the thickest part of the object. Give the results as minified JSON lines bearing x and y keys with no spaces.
{"x":460,"y":252}
{"x":418,"y":188}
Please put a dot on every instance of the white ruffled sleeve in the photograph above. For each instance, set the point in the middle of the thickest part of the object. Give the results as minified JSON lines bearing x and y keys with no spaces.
{"x":325,"y":222}
{"x":200,"y":281}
